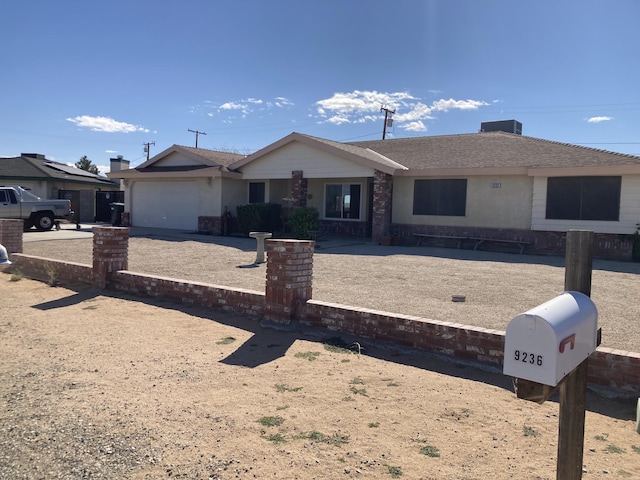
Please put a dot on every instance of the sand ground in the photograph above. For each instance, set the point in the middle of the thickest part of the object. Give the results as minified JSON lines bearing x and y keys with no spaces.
{"x":96,"y":384}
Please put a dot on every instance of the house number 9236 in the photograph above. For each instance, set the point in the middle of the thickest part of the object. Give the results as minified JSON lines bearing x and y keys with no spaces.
{"x":528,"y":357}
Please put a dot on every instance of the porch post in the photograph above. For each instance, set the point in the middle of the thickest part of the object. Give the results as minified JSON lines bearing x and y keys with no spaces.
{"x":298,"y":188}
{"x":382,"y":198}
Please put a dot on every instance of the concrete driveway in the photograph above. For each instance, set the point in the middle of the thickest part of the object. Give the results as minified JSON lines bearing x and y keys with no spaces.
{"x":67,"y":231}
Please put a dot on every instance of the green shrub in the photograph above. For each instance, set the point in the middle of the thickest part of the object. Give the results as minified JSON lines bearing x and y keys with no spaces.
{"x":303,"y":220}
{"x":259,"y":217}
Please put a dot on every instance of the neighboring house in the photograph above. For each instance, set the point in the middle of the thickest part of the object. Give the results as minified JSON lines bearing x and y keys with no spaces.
{"x":49,"y":179}
{"x":488,"y":185}
{"x":181,"y":185}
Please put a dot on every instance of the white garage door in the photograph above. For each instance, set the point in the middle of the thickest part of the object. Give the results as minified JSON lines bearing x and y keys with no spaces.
{"x":165,"y":205}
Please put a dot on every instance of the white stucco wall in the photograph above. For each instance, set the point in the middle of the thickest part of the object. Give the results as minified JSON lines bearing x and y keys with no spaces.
{"x":496,"y":201}
{"x":296,"y":156}
{"x":234,"y":193}
{"x":629,"y":210}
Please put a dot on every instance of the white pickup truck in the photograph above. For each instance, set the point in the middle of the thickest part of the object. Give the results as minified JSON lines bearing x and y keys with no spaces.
{"x":16,"y":202}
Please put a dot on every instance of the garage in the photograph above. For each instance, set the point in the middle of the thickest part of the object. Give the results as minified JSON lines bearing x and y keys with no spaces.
{"x":172,"y":204}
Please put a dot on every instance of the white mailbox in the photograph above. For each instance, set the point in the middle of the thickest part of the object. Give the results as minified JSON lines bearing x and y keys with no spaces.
{"x":546,"y":343}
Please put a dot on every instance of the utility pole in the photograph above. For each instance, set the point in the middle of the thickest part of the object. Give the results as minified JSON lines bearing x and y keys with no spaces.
{"x":197,"y":133}
{"x":388,"y":121}
{"x":146,"y":148}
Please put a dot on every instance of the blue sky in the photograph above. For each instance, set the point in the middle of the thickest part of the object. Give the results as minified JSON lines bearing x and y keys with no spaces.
{"x":101,"y":78}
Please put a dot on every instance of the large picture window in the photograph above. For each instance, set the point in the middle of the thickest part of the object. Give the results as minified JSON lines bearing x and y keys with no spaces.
{"x":440,"y":197}
{"x":342,"y":200}
{"x":583,"y":198}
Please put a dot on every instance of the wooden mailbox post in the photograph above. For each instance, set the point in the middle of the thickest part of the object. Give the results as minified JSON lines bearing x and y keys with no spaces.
{"x":570,"y":316}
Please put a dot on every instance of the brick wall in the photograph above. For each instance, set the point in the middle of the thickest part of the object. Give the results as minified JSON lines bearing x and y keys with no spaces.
{"x":338,"y":228}
{"x":211,"y":225}
{"x":292,"y":270}
{"x":608,"y":368}
{"x":462,"y":341}
{"x":245,"y":302}
{"x":53,"y":272}
{"x":11,"y":235}
{"x":606,"y":245}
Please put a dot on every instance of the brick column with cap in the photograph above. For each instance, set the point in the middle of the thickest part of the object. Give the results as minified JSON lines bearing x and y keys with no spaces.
{"x":289,"y":278}
{"x":11,"y":235}
{"x":110,"y":253}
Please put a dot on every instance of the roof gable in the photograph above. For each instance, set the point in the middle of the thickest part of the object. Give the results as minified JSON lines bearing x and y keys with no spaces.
{"x":177,"y":155}
{"x":361,"y":156}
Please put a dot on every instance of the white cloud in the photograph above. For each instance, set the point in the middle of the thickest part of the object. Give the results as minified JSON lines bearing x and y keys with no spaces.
{"x":338,"y":120}
{"x":231,"y":106}
{"x":365,"y":106}
{"x":599,"y":119}
{"x":363,"y":101}
{"x":106,"y":124}
{"x":446,"y":105}
{"x":246,"y":106}
{"x":415,"y":126}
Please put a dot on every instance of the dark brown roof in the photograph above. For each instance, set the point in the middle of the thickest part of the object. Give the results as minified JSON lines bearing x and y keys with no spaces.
{"x":491,"y":150}
{"x":221,"y":158}
{"x":17,"y":169}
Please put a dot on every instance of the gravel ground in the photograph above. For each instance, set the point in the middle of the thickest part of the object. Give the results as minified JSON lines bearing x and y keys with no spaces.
{"x":409,"y":280}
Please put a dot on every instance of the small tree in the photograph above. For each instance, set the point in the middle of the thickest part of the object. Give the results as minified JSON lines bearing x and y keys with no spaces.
{"x":87,"y":165}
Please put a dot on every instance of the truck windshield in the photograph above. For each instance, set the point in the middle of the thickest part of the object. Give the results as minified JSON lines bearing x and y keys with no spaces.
{"x":27,"y":195}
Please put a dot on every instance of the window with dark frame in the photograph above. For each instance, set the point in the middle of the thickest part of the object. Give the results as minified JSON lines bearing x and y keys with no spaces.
{"x":256,"y":192}
{"x":443,"y":197}
{"x":342,"y":201}
{"x":583,"y":198}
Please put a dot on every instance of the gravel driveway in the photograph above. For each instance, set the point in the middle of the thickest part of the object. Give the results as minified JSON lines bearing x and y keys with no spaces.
{"x":409,"y":280}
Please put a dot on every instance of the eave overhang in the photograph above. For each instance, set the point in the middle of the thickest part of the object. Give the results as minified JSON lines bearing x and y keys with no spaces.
{"x":197,"y":173}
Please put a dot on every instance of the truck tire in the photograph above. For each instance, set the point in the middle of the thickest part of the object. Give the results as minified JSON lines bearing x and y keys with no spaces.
{"x":43,"y":221}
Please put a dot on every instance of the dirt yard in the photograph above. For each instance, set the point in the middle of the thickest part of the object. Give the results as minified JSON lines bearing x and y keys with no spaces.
{"x":104,"y":386}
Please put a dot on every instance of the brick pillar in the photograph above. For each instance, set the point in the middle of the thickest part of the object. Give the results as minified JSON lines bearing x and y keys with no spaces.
{"x":110,"y":253}
{"x":382,"y":198}
{"x":11,"y":235}
{"x":289,"y":278}
{"x":299,"y":188}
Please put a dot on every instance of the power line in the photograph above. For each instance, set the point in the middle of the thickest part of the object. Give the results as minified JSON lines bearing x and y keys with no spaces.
{"x":388,"y":121}
{"x":146,"y":148}
{"x":197,"y":133}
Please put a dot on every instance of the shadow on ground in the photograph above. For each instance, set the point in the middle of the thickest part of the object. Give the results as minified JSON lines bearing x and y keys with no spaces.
{"x":268,"y":343}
